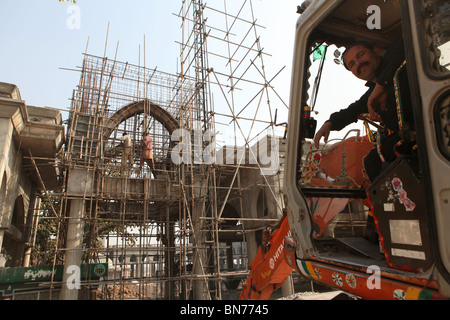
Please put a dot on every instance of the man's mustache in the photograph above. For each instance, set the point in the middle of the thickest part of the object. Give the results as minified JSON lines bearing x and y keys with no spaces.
{"x":362,"y":65}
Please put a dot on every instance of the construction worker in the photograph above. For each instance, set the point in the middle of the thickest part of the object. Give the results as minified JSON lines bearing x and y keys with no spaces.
{"x":127,"y":153}
{"x":147,"y":153}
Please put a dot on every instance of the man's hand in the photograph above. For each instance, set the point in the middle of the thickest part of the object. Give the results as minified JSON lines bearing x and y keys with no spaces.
{"x":377,"y":99}
{"x":324,"y":132}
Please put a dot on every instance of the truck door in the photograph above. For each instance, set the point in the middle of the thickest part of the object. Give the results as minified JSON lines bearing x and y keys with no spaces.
{"x":427,"y":35}
{"x":325,"y":186}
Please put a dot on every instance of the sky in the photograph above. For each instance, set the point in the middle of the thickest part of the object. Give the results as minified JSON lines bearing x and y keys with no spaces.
{"x":42,"y":39}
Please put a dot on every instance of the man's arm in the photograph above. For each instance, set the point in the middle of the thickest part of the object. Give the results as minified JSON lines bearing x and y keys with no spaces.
{"x":344,"y":117}
{"x":324,"y":132}
{"x":392,"y":60}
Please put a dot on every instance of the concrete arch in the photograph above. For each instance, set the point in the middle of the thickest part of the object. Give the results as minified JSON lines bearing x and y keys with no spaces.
{"x":18,"y":216}
{"x":134,"y":108}
{"x":261,"y":204}
{"x":229,"y":211}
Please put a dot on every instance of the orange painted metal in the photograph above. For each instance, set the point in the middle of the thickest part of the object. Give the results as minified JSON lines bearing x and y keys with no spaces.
{"x":276,"y":259}
{"x":343,"y":161}
{"x":269,"y":269}
{"x":370,"y":283}
{"x":326,"y":209}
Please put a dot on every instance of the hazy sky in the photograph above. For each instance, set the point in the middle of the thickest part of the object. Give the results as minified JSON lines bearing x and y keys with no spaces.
{"x":38,"y":40}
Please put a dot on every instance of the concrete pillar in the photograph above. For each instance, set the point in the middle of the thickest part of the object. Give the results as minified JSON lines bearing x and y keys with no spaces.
{"x":287,"y":289}
{"x":69,"y":289}
{"x":249,"y":203}
{"x":199,"y":286}
{"x":139,"y":263}
{"x":2,"y":213}
{"x":6,"y":131}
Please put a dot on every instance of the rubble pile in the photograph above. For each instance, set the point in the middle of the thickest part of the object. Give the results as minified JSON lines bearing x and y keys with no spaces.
{"x":118,"y":292}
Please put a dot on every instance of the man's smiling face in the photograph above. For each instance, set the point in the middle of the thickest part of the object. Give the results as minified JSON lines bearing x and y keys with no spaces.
{"x":362,"y":62}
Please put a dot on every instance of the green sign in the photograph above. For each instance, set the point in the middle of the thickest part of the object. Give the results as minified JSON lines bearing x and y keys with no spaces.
{"x":44,"y":273}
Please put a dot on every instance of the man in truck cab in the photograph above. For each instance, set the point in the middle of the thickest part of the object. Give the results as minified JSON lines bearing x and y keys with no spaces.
{"x":370,"y":64}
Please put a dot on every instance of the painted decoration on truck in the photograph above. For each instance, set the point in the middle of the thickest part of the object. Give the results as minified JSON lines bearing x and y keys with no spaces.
{"x":402,"y":195}
{"x":337,"y":279}
{"x":350,"y":279}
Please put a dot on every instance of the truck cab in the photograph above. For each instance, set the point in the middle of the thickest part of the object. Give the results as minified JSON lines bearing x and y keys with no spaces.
{"x":385,"y":238}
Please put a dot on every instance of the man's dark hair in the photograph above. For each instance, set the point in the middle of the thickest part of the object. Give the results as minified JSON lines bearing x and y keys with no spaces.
{"x":366,"y":44}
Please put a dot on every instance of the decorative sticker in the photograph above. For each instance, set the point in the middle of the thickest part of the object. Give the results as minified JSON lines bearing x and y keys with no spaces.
{"x":289,"y":260}
{"x":317,"y":272}
{"x":350,"y":279}
{"x":402,"y":195}
{"x":399,"y":294}
{"x":314,"y":167}
{"x":337,"y":279}
{"x":307,"y":270}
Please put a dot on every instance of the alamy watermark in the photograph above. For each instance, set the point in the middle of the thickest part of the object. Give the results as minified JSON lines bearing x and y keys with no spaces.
{"x":200,"y":147}
{"x":374,"y":20}
{"x":374,"y":281}
{"x":74,"y":20}
{"x":73,"y":281}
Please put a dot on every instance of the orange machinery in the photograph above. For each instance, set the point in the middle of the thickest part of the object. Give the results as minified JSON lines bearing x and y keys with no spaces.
{"x":269,"y":269}
{"x":342,"y":163}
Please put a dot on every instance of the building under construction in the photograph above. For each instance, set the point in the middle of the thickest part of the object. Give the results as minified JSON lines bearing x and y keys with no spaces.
{"x":186,"y":226}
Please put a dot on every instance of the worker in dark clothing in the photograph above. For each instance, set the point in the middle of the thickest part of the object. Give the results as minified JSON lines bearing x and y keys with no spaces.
{"x":369,"y":64}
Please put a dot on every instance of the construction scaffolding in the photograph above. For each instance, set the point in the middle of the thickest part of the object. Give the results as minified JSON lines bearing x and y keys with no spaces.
{"x":179,"y":230}
{"x":226,"y":62}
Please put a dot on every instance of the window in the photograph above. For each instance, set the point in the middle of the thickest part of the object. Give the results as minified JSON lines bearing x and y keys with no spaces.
{"x":442,"y":119}
{"x":436,"y":36}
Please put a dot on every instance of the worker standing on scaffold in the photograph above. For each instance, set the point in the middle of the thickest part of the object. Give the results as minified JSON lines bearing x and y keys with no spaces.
{"x":127,"y":154}
{"x":147,"y":153}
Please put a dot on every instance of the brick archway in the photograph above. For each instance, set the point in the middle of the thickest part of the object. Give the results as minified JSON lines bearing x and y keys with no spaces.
{"x":132,"y":109}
